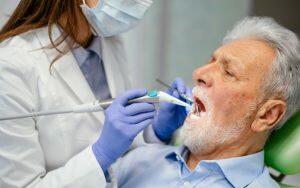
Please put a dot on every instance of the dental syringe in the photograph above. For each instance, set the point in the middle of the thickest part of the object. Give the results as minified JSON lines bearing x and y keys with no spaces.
{"x":151,"y":97}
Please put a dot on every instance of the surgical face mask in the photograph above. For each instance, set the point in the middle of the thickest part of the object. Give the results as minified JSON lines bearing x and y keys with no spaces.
{"x":112,"y":17}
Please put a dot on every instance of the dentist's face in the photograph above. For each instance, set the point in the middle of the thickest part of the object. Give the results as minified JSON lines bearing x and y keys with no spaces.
{"x":92,"y":3}
{"x":227,"y":91}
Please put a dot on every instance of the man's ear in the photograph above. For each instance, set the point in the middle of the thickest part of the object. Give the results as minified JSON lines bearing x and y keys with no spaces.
{"x":269,"y":115}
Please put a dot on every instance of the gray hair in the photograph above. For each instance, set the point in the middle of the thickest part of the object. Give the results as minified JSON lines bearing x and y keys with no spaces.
{"x":284,"y":77}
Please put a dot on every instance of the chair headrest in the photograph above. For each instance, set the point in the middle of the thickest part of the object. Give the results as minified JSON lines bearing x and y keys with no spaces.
{"x":282,"y":151}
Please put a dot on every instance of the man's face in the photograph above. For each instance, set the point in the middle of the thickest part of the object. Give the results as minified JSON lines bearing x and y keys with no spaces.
{"x":227,"y":92}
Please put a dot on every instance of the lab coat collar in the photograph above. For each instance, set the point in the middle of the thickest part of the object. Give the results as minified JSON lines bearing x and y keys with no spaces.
{"x":66,"y":67}
{"x":81,"y":54}
{"x":116,"y":69}
{"x":114,"y":61}
{"x":95,"y":46}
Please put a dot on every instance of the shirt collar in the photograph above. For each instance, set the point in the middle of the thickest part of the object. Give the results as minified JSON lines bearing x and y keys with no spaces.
{"x":239,"y":171}
{"x":250,"y":166}
{"x":95,"y":46}
{"x":180,"y":153}
{"x":81,"y":54}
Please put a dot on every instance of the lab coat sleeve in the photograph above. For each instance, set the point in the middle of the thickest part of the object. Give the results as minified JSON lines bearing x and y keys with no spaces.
{"x":150,"y":136}
{"x":22,"y":162}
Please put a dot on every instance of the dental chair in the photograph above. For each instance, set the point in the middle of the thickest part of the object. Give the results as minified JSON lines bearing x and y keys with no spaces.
{"x":282,"y":151}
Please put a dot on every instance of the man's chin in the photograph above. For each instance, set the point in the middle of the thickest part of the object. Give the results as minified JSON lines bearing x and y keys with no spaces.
{"x":204,"y":136}
{"x":197,"y":139}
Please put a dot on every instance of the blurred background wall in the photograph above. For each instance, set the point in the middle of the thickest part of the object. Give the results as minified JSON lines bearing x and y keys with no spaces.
{"x":177,"y":36}
{"x":6,"y":8}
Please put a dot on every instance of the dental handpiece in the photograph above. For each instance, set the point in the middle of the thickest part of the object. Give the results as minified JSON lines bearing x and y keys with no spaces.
{"x":152,"y":97}
{"x":184,"y":96}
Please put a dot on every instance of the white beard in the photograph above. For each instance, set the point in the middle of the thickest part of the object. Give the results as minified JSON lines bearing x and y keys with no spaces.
{"x":206,"y":137}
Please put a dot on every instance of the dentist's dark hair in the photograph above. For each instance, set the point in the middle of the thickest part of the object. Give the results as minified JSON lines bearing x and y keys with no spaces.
{"x":33,"y":14}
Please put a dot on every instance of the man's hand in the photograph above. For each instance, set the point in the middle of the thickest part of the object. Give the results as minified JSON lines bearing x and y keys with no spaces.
{"x":170,"y":116}
{"x":122,"y":124}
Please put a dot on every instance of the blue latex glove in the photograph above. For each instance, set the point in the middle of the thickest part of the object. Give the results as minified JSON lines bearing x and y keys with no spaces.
{"x":170,"y":116}
{"x":122,"y":123}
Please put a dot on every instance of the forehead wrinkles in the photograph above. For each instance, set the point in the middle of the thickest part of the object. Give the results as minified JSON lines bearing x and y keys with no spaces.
{"x":230,"y":57}
{"x":251,"y":50}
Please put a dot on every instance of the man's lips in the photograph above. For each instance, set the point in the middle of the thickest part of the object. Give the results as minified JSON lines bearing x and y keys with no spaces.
{"x":199,"y":110}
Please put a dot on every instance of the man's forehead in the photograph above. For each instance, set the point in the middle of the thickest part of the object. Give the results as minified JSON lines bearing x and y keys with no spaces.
{"x":229,"y":57}
{"x":246,"y":51}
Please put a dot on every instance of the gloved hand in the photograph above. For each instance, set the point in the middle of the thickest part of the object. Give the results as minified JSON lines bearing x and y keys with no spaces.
{"x":122,"y":123}
{"x":170,"y":116}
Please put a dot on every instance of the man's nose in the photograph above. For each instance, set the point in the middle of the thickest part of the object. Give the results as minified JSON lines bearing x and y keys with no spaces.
{"x":202,"y":76}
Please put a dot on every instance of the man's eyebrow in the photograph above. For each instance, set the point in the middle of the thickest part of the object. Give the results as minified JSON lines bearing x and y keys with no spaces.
{"x":233,"y":60}
{"x":229,"y":60}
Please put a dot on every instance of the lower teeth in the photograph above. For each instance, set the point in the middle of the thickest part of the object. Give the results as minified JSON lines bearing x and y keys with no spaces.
{"x":194,"y":116}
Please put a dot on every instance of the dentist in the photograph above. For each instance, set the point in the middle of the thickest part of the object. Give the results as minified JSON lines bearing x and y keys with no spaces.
{"x":56,"y":53}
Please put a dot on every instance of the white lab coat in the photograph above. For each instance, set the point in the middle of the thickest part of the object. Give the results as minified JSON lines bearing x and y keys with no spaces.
{"x":51,"y":151}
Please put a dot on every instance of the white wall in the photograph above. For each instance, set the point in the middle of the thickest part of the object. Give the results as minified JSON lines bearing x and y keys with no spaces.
{"x":6,"y":8}
{"x":177,"y":36}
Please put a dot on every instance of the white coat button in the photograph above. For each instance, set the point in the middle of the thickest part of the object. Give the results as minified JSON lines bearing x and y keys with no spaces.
{"x":186,"y":184}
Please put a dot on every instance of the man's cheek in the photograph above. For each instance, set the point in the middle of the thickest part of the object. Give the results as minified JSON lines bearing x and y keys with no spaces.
{"x":225,"y":106}
{"x":229,"y":107}
{"x":238,"y":99}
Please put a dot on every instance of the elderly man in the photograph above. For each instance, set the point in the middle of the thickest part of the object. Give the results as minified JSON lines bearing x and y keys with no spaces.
{"x":249,"y":87}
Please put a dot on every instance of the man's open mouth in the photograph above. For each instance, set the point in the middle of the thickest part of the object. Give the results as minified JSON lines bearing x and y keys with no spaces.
{"x":199,"y":107}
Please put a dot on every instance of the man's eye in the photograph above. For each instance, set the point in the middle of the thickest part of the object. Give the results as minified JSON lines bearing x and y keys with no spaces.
{"x":229,"y":73}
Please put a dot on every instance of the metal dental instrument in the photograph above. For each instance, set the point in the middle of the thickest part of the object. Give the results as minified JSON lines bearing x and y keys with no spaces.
{"x":189,"y":100}
{"x":197,"y":110}
{"x":152,"y":97}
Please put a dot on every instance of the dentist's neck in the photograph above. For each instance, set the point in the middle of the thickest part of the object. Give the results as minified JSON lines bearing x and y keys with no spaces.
{"x":84,"y":35}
